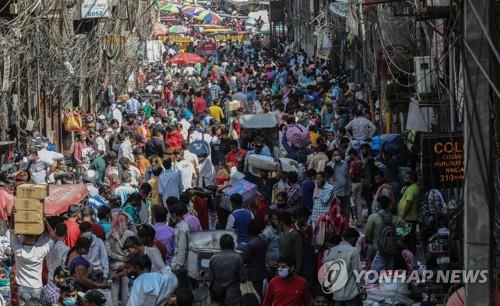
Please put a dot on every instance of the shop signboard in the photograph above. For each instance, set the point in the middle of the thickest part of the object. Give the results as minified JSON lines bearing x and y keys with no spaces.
{"x":443,"y":161}
{"x":206,"y":48}
{"x":92,"y":9}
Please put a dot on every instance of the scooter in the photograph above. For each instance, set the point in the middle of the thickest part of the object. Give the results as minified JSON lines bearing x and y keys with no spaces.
{"x":438,"y":249}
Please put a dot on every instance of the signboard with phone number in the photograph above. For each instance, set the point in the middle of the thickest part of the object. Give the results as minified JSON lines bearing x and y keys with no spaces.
{"x":95,"y":9}
{"x":444,"y":161}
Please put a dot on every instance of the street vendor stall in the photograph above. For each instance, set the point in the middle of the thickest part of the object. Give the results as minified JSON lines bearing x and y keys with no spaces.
{"x":202,"y":246}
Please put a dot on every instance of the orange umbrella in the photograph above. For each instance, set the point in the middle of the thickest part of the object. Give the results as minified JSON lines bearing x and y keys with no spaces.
{"x":186,"y":58}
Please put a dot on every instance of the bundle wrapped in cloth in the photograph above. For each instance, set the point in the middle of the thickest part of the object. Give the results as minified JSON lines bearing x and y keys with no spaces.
{"x":298,"y":136}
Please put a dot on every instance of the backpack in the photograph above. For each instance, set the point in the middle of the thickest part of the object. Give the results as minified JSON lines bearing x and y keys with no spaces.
{"x":200,"y":148}
{"x":387,"y":240}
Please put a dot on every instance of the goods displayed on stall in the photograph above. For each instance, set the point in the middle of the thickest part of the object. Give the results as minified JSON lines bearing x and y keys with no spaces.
{"x":29,"y":204}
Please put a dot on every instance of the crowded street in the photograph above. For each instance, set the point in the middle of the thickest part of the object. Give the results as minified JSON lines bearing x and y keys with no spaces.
{"x":226,"y":153}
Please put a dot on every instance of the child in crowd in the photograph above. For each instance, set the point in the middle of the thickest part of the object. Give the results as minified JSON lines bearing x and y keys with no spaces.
{"x":5,"y":283}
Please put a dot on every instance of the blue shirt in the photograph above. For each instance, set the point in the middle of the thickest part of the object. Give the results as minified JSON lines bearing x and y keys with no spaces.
{"x":96,"y":202}
{"x":132,"y":106}
{"x":308,"y":186}
{"x":170,"y":184}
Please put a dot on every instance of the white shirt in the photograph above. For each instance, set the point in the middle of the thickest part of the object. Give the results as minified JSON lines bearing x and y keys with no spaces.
{"x":126,"y":150}
{"x":29,"y":261}
{"x":154,"y":288}
{"x":56,"y":257}
{"x":101,"y":144}
{"x":361,"y":128}
{"x":157,"y":263}
{"x":196,"y":135}
{"x":186,"y":169}
{"x":189,"y":71}
{"x":117,"y":114}
{"x":185,"y":128}
{"x":98,"y":256}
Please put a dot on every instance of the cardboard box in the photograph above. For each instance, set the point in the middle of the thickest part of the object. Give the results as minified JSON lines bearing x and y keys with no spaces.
{"x":28,"y":204}
{"x":28,"y":216}
{"x":29,"y":228}
{"x":234,"y":105}
{"x":32,"y":191}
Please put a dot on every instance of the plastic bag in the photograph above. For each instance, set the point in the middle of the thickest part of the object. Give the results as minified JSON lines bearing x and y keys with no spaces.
{"x":72,"y":121}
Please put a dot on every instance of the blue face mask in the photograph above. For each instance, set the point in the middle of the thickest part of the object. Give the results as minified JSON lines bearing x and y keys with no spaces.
{"x":69,"y":301}
{"x":4,"y":282}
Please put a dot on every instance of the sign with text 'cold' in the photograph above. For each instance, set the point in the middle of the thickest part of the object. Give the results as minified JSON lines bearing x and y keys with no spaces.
{"x":445,"y":161}
{"x":95,"y":9}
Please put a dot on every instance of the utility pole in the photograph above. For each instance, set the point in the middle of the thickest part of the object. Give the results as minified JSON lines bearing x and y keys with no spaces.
{"x":477,"y":150}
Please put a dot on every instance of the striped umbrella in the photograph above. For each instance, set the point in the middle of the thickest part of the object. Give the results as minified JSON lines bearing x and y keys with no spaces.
{"x":208,"y":17}
{"x":192,"y":10}
{"x":177,"y":29}
{"x":170,"y":8}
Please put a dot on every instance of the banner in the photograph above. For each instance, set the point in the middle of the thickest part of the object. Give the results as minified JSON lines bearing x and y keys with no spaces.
{"x":206,"y":48}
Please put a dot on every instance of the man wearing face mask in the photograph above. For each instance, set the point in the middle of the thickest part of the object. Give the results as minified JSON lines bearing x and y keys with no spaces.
{"x":97,"y":255}
{"x":149,"y":288}
{"x":341,"y":181}
{"x":287,"y":288}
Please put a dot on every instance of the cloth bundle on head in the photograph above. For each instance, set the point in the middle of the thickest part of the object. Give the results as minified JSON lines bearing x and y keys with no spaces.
{"x":298,"y":136}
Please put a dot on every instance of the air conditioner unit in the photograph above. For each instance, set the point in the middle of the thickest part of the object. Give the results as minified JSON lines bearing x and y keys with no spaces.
{"x":425,"y":74}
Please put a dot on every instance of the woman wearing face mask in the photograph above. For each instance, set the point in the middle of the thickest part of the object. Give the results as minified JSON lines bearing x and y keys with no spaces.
{"x":287,"y":288}
{"x":79,"y":266}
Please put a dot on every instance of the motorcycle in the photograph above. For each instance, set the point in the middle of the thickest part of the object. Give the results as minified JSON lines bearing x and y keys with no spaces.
{"x":438,"y":251}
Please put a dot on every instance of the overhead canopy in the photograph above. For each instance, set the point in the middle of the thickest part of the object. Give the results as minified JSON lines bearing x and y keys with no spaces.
{"x":259,"y":121}
{"x":62,"y":196}
{"x":186,"y":58}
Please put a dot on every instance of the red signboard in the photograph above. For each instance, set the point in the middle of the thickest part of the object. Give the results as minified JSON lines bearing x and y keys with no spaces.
{"x":206,"y":48}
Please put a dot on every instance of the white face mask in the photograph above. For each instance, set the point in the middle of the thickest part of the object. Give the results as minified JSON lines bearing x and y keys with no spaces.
{"x":283,"y":272}
{"x":337,"y":158}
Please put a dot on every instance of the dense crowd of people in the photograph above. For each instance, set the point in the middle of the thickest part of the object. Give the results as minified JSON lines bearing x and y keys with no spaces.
{"x":157,"y":170}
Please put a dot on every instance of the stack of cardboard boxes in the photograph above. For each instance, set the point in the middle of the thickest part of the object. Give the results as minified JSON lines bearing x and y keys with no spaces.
{"x":28,"y":219}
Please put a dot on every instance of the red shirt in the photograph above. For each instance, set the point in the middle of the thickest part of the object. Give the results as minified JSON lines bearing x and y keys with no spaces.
{"x":98,"y":231}
{"x":73,"y":233}
{"x":200,"y":105}
{"x":290,"y":291}
{"x":175,"y":139}
{"x":233,"y":158}
{"x":200,"y":206}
